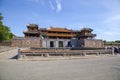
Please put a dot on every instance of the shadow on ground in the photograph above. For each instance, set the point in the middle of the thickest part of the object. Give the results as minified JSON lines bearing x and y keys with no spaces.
{"x":14,"y":57}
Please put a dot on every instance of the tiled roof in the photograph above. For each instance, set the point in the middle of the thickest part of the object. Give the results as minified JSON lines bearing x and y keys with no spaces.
{"x":32,"y":25}
{"x":32,"y":32}
{"x":59,"y":29}
{"x":87,"y":29}
{"x":88,"y":35}
{"x":59,"y":35}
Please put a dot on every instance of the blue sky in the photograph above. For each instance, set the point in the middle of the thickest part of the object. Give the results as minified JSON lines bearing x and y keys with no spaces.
{"x":103,"y":16}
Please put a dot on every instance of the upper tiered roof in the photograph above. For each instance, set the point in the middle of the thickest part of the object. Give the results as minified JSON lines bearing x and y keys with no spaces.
{"x":55,"y":29}
{"x":55,"y":32}
{"x":85,"y":33}
{"x":32,"y":25}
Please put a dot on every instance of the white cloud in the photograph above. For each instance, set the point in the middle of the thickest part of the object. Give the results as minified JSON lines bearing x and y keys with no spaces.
{"x":113,"y":19}
{"x":59,"y":6}
{"x":113,"y":25}
{"x":110,"y":29}
{"x":56,"y":6}
{"x":112,"y":5}
{"x":51,"y":5}
{"x":110,"y":26}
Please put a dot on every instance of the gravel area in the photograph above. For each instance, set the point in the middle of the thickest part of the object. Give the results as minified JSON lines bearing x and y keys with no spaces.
{"x":100,"y":68}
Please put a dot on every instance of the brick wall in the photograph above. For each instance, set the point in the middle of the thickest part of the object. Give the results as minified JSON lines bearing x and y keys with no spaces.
{"x":26,"y":42}
{"x":5,"y":43}
{"x":93,"y":43}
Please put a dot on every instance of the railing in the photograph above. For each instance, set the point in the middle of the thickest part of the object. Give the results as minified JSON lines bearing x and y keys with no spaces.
{"x":23,"y":54}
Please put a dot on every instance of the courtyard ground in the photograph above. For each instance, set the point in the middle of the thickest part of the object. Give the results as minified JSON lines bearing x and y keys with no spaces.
{"x":97,"y":68}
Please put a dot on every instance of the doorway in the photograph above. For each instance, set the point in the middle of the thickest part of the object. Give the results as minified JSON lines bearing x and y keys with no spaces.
{"x":51,"y":44}
{"x":60,"y":44}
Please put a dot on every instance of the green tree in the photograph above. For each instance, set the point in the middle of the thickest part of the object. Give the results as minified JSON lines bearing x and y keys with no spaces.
{"x":5,"y":33}
{"x":117,"y":41}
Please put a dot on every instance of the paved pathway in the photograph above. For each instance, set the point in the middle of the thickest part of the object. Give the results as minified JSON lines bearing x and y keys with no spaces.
{"x":100,"y":68}
{"x":7,"y":55}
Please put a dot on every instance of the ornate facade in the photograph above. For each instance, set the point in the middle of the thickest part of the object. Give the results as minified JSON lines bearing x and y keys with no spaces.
{"x":57,"y":37}
{"x":58,"y":33}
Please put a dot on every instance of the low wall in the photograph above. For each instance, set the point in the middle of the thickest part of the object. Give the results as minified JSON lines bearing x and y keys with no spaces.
{"x":57,"y":54}
{"x":93,"y":43}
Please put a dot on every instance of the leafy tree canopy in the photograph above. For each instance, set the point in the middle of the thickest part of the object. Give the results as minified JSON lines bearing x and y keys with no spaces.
{"x":118,"y":41}
{"x":5,"y":33}
{"x":112,"y":42}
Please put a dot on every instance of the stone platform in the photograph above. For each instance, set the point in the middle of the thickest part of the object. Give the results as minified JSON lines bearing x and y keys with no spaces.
{"x":49,"y":54}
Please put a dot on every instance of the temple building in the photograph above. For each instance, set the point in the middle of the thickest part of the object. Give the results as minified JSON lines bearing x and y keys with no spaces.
{"x":86,"y":39}
{"x":32,"y":31}
{"x":85,"y":33}
{"x":51,"y":33}
{"x":58,"y":33}
{"x":55,"y":37}
{"x":54,"y":33}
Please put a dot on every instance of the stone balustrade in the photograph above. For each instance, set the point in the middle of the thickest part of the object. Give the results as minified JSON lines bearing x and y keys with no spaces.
{"x":49,"y":54}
